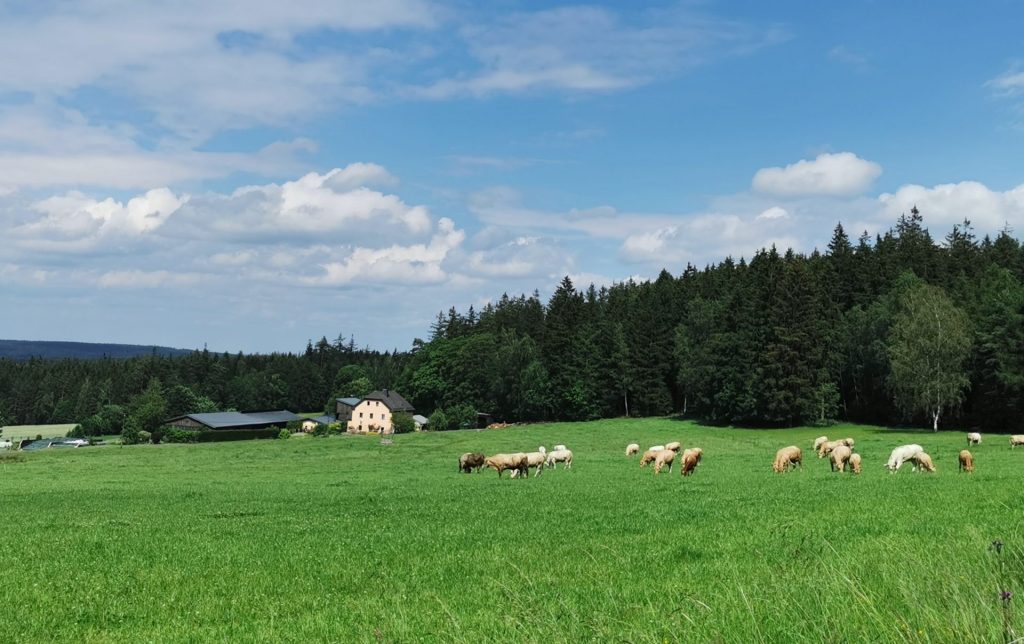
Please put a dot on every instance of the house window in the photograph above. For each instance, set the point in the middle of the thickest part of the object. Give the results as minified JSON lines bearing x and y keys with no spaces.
{"x":360,"y":415}
{"x":371,"y":414}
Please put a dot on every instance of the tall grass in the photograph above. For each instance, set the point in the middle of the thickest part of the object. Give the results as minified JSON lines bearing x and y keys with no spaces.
{"x":345,"y":539}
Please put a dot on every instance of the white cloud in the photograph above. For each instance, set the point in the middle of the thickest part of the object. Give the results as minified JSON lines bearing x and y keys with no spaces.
{"x":77,"y":222}
{"x":593,"y":49}
{"x":415,"y":264}
{"x":201,"y":64}
{"x":521,"y":257}
{"x":41,"y":145}
{"x":146,"y":279}
{"x":948,"y":204}
{"x":843,"y":54}
{"x":840,"y":174}
{"x":334,"y":207}
{"x":774,"y":212}
{"x":1009,"y":83}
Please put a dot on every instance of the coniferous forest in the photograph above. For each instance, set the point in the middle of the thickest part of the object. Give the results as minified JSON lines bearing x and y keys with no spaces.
{"x":899,"y":328}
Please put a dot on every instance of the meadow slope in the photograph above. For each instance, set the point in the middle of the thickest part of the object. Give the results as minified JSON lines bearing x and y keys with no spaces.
{"x":345,"y":539}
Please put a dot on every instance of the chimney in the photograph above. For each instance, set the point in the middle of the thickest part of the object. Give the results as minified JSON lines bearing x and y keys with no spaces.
{"x":386,"y":394}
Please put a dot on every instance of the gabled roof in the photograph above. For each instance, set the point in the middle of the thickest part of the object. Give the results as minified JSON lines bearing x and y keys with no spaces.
{"x":422,"y":420}
{"x":393,"y":400}
{"x":323,"y":420}
{"x":225,"y":419}
{"x":351,"y":402}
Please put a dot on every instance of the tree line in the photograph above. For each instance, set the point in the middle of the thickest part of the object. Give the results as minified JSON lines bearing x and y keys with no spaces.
{"x":893,"y":328}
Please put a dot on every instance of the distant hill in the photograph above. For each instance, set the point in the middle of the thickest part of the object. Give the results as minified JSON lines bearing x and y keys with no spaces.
{"x":27,"y":349}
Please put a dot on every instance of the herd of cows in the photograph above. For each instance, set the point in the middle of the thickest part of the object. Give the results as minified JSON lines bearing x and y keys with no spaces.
{"x":840,"y":453}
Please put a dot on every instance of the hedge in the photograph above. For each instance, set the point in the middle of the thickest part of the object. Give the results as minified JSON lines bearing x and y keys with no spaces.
{"x":216,"y":435}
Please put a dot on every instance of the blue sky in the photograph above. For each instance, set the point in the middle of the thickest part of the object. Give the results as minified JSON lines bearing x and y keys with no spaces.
{"x":252,"y":175}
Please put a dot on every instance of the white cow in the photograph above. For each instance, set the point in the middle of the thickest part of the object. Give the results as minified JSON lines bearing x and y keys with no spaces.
{"x":974,"y":438}
{"x":6,"y":444}
{"x":902,"y":454}
{"x":560,"y":456}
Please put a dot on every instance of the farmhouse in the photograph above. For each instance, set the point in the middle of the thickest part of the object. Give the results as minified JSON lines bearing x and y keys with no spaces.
{"x":375,"y":410}
{"x":233,"y":420}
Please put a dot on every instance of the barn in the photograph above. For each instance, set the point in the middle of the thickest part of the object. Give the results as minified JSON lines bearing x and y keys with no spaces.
{"x":233,"y":420}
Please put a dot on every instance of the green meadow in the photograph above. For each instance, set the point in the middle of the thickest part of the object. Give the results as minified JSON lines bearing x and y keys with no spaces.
{"x":31,"y":431}
{"x":345,"y":539}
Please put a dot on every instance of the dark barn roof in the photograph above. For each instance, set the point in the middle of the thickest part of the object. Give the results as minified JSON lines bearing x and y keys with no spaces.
{"x":238,"y":420}
{"x":351,"y":402}
{"x":393,"y":400}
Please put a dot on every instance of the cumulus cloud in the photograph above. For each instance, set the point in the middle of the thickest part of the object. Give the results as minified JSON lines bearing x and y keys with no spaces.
{"x":950,"y":203}
{"x":77,"y":222}
{"x":334,"y":205}
{"x":414,"y":264}
{"x":840,"y":174}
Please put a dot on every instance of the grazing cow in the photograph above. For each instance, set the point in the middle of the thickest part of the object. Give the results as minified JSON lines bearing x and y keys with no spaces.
{"x":691,"y":459}
{"x":966,"y":461}
{"x":560,"y":456}
{"x":787,"y":458}
{"x":502,"y":462}
{"x":632,"y":448}
{"x":924,"y":462}
{"x":648,"y":457}
{"x":838,"y":458}
{"x":664,"y":457}
{"x":855,"y":463}
{"x":974,"y":438}
{"x":1016,"y":439}
{"x":901,"y":455}
{"x":471,"y":461}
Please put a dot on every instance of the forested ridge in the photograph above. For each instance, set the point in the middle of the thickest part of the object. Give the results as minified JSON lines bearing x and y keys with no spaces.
{"x":896,"y":328}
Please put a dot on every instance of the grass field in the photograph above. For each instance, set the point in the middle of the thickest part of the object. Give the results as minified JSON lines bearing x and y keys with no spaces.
{"x":31,"y":431}
{"x":343,"y":539}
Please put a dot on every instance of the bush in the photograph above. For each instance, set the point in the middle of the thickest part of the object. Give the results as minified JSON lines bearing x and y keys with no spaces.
{"x":402,"y":423}
{"x":218,"y":435}
{"x":76,"y":432}
{"x":178,"y":435}
{"x":131,"y":434}
{"x":438,"y":421}
{"x":284,"y":433}
{"x":461,"y":417}
{"x":145,"y":437}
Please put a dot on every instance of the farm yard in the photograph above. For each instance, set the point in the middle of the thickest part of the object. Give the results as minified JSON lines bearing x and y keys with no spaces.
{"x":346,"y":539}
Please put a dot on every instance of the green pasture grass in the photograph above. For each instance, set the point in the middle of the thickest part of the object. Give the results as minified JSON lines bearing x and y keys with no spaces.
{"x":344,"y":539}
{"x":31,"y":431}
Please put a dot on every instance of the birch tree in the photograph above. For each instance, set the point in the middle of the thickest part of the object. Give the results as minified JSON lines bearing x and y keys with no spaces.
{"x":929,"y":344}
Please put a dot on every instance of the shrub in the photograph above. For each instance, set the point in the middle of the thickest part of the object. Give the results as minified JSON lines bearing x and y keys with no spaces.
{"x":217,"y":435}
{"x":131,"y":434}
{"x":145,"y":437}
{"x":76,"y":432}
{"x":284,"y":433}
{"x":461,"y":417}
{"x":178,"y":435}
{"x":438,"y":421}
{"x":322,"y":430}
{"x":402,"y":422}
